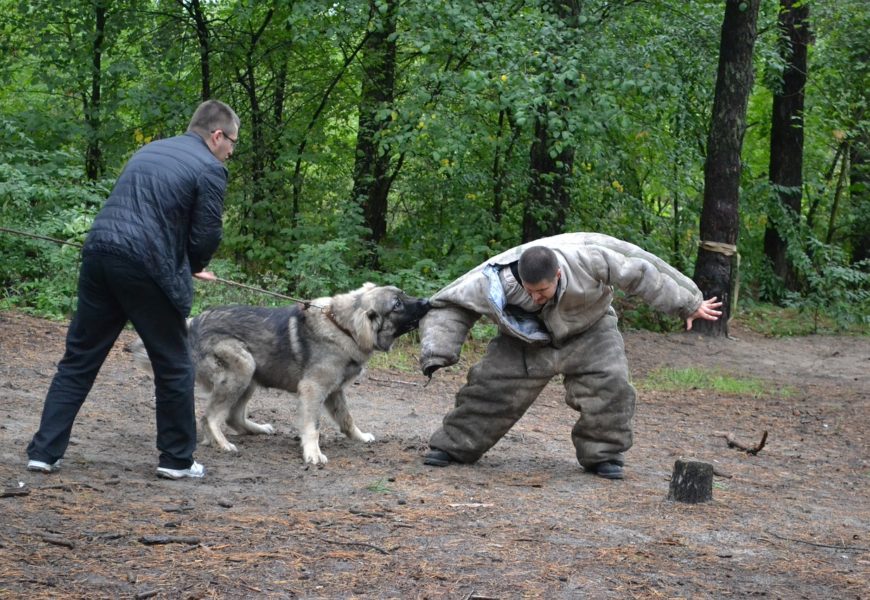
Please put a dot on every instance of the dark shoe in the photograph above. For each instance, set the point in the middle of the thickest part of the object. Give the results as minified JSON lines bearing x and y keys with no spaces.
{"x":608,"y":470}
{"x":437,"y":458}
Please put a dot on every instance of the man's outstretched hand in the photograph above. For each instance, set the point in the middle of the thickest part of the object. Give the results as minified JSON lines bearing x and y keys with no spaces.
{"x":707,"y":311}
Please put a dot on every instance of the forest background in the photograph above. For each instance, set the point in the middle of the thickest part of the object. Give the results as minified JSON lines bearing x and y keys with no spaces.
{"x":403,"y":142}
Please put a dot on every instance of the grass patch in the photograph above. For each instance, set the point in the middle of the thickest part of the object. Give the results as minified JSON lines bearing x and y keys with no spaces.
{"x":404,"y":356}
{"x":380,"y":487}
{"x":667,"y":379}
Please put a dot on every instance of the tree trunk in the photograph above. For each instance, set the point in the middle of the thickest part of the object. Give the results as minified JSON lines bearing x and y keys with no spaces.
{"x":500,"y":160}
{"x":92,"y":104}
{"x":260,"y":218}
{"x":194,"y":9}
{"x":371,"y":173}
{"x":315,"y":118}
{"x":859,"y":175}
{"x":842,"y":157}
{"x":715,"y":267}
{"x":548,"y":199}
{"x":787,"y":137}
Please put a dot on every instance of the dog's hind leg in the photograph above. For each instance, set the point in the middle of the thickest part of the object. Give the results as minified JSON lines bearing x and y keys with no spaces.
{"x":215,"y":416}
{"x":238,"y":418}
{"x":229,"y":368}
{"x":336,"y":405}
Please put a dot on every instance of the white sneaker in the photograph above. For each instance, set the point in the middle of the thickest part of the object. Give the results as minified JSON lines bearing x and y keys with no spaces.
{"x":44,"y":467}
{"x":196,"y":471}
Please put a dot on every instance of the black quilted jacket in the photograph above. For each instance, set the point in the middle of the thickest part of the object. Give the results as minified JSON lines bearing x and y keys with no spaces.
{"x":164,"y":214}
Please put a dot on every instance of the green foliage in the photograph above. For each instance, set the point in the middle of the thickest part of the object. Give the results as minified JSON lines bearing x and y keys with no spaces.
{"x":213,"y":293}
{"x":36,"y":275}
{"x":322,"y":269}
{"x":627,"y":87}
{"x":833,"y":293}
{"x":50,"y":296}
{"x":834,"y":290}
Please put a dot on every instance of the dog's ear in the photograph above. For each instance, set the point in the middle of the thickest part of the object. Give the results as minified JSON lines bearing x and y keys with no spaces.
{"x":376,"y":319}
{"x":365,"y":329}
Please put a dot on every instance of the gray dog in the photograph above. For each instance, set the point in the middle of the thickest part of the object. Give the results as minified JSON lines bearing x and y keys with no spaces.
{"x":315,"y":352}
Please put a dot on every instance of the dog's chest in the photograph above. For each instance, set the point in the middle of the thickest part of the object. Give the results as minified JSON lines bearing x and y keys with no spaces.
{"x":351,"y":371}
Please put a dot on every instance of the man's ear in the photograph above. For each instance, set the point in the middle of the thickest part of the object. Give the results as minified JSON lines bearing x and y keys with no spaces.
{"x":212,"y":140}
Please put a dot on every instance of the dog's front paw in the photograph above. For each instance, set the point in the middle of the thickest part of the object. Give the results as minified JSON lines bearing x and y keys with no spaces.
{"x":264,"y":428}
{"x":230,"y":447}
{"x":360,"y":436}
{"x":314,"y":456}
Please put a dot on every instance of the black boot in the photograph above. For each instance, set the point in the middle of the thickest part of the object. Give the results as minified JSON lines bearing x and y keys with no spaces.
{"x":437,"y":458}
{"x":608,"y":470}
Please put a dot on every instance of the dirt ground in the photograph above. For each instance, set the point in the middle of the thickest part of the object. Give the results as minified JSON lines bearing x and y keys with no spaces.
{"x":791,"y":522}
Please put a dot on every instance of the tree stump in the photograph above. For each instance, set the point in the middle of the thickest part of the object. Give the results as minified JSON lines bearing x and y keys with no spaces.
{"x":691,"y":482}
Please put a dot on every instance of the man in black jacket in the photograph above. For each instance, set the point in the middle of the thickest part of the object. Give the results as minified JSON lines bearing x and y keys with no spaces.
{"x":158,"y":229}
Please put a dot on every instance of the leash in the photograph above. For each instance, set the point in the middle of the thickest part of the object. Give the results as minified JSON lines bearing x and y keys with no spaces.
{"x":39,"y":237}
{"x":305,"y":303}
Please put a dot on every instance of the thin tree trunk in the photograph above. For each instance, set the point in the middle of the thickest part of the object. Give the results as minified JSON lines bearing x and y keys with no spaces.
{"x":676,"y":248}
{"x":715,"y":267}
{"x":500,"y":161}
{"x":838,"y":193}
{"x":787,"y":136}
{"x":829,"y":175}
{"x":548,"y":198}
{"x":859,"y":176}
{"x":312,"y":122}
{"x":497,"y":172}
{"x":194,"y":9}
{"x":260,"y":218}
{"x":92,"y":105}
{"x":371,"y":175}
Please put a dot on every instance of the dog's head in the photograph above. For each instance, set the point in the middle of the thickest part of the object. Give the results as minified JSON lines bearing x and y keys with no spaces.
{"x":383,"y":313}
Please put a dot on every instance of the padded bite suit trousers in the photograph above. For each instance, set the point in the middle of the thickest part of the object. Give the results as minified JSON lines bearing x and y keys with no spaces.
{"x":511,"y":375}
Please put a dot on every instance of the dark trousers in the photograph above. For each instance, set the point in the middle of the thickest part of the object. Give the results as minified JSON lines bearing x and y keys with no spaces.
{"x":111,"y":292}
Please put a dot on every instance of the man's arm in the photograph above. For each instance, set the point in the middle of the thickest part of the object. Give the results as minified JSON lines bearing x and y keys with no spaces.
{"x":643,"y":274}
{"x":206,"y":220}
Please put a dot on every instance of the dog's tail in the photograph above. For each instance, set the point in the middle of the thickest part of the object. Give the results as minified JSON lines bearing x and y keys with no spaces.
{"x":140,"y":354}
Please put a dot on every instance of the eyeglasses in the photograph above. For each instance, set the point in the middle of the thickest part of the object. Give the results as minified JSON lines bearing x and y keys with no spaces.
{"x":228,"y":138}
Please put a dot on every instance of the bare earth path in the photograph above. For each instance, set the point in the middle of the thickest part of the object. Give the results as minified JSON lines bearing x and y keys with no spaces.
{"x":524,"y":522}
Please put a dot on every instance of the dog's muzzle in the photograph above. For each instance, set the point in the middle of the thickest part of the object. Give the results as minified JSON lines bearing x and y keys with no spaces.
{"x":417,"y":311}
